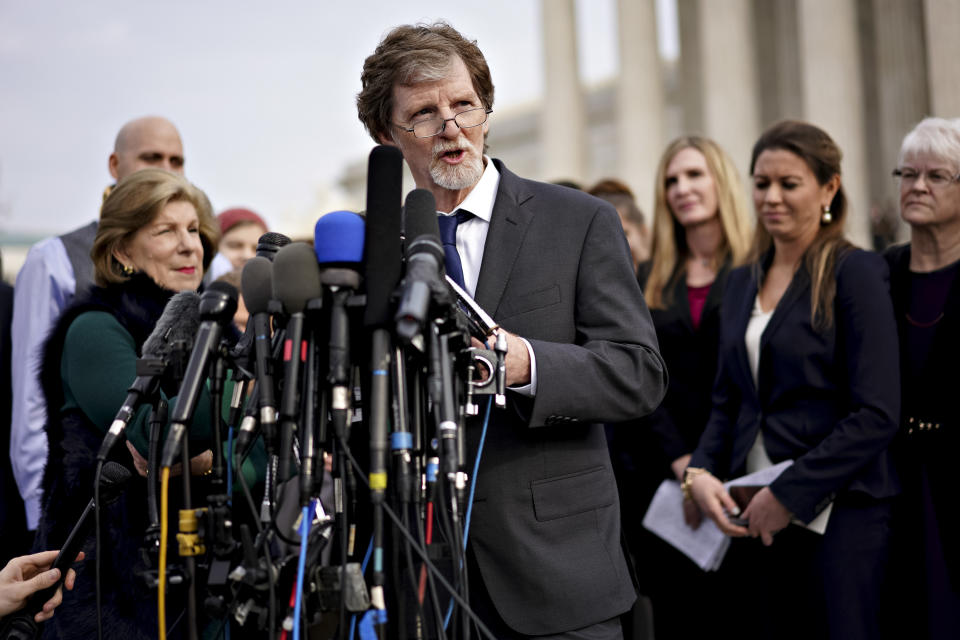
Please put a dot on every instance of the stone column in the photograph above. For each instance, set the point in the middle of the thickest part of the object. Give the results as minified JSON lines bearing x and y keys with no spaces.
{"x":942,"y":19}
{"x":833,"y":96}
{"x":727,"y":73}
{"x":902,"y":98}
{"x":640,"y":101}
{"x":563,"y":129}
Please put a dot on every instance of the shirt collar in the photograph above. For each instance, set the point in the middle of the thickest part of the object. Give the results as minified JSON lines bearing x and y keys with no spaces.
{"x":481,"y":198}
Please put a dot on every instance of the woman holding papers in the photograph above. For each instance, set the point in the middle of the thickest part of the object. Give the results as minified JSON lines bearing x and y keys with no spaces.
{"x":701,"y":227}
{"x":926,"y":298}
{"x":805,"y":373}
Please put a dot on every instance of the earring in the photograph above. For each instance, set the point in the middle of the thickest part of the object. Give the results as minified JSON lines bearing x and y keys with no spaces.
{"x":127,"y":270}
{"x":826,"y":217}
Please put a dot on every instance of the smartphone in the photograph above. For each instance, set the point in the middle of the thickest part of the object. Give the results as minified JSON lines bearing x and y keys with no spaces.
{"x":738,"y":521}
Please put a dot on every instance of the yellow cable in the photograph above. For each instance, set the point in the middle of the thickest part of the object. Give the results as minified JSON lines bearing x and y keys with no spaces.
{"x":162,"y":575}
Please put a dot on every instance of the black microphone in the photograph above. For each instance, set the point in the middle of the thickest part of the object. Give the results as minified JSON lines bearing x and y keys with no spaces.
{"x":113,"y":479}
{"x":296,"y":281}
{"x":423,"y":282}
{"x":257,"y":284}
{"x":218,"y":304}
{"x":177,"y":324}
{"x":269,"y":243}
{"x":382,"y":241}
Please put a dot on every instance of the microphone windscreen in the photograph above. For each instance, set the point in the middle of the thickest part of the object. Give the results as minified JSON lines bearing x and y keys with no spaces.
{"x":382,"y":246}
{"x":256,"y":283}
{"x":178,"y":322}
{"x":296,"y":276}
{"x":219,"y":302}
{"x":112,"y":478}
{"x":271,"y":242}
{"x":338,"y":238}
{"x":421,"y":230}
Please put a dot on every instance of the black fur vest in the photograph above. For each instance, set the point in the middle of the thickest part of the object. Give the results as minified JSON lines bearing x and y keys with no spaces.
{"x":129,"y":608}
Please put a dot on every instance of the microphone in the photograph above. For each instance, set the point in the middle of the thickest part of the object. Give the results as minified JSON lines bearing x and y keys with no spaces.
{"x":177,"y":324}
{"x":218,"y":304}
{"x":382,"y":241}
{"x":423,"y":281}
{"x":269,"y":243}
{"x":338,"y":245}
{"x":296,"y":281}
{"x":113,"y":479}
{"x":257,"y":285}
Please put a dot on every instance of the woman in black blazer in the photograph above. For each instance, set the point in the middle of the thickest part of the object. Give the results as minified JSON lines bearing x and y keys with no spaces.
{"x":807,"y":372}
{"x":701,"y":225}
{"x":926,"y":298}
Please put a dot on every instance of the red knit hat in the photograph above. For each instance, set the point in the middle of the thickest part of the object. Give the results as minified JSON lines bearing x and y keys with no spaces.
{"x":232,"y":217}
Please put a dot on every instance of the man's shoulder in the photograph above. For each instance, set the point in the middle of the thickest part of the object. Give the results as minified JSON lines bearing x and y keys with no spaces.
{"x":548,"y":195}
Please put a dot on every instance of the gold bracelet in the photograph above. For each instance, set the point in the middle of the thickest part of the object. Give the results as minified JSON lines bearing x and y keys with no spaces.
{"x":688,"y":475}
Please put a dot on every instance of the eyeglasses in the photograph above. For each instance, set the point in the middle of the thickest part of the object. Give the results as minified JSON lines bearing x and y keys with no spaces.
{"x":935,"y":178}
{"x":435,"y":126}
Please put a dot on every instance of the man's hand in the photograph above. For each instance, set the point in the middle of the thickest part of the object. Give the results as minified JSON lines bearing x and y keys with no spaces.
{"x":767,"y":515}
{"x":518,"y":359}
{"x":25,"y":575}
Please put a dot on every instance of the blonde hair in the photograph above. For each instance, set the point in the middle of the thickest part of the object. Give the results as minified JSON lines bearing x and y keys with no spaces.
{"x":133,"y":204}
{"x":822,"y":156}
{"x":669,"y":249}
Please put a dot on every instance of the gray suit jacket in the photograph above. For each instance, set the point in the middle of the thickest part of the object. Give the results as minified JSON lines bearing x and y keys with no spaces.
{"x":546,"y":521}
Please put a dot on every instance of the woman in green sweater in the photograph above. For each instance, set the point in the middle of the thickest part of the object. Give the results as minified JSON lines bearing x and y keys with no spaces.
{"x":155,"y":238}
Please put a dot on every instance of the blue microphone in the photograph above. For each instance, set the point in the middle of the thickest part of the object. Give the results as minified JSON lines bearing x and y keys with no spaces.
{"x":338,"y":239}
{"x":338,"y":245}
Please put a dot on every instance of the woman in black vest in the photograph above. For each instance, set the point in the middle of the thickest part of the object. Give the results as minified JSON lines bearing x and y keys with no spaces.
{"x":155,"y":238}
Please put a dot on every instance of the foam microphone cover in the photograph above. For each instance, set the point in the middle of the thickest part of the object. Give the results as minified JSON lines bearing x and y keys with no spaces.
{"x":338,"y":239}
{"x":256,"y":282}
{"x":382,"y":245}
{"x":296,"y":277}
{"x":421,"y":230}
{"x":219,"y":302}
{"x":179,"y":322}
{"x":269,"y":243}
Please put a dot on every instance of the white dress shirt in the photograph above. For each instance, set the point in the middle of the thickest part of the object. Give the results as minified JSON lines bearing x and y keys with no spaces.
{"x":471,"y":239}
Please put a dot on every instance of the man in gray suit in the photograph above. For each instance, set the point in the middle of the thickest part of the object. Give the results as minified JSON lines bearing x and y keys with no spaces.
{"x":551,"y":265}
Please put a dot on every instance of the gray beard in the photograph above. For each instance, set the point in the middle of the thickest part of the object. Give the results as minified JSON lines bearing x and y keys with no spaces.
{"x":461,"y":176}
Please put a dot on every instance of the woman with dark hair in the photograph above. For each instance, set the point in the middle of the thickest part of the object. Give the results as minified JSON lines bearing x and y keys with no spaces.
{"x":155,"y":237}
{"x":805,"y":373}
{"x":926,"y":298}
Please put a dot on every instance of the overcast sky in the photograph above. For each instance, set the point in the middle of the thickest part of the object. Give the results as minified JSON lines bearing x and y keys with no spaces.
{"x":263,"y":96}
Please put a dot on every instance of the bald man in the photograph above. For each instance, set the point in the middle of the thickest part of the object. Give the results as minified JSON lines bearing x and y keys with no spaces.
{"x":55,"y":271}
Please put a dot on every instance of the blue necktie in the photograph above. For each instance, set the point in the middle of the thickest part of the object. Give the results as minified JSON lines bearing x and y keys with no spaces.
{"x":448,"y":235}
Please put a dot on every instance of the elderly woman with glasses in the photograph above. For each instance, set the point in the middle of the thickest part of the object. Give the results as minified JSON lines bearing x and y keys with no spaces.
{"x":926,"y":296}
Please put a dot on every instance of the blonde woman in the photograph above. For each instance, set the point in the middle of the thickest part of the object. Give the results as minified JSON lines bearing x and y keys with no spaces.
{"x":701,"y":228}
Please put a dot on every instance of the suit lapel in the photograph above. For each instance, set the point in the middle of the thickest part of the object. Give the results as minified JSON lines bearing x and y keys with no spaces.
{"x":798,"y":287}
{"x":739,"y":328}
{"x":508,"y":226}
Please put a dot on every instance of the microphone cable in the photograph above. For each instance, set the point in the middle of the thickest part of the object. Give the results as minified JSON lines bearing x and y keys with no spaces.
{"x":96,"y":525}
{"x":162,"y":568}
{"x":473,"y":486}
{"x":484,"y":630}
{"x":307,"y":517}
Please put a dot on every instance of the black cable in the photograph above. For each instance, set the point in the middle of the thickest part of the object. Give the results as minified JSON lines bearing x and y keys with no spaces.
{"x":96,"y":520}
{"x":238,"y":470}
{"x":430,"y":566}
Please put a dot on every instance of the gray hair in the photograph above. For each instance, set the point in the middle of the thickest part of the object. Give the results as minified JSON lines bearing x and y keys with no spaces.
{"x":939,"y":137}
